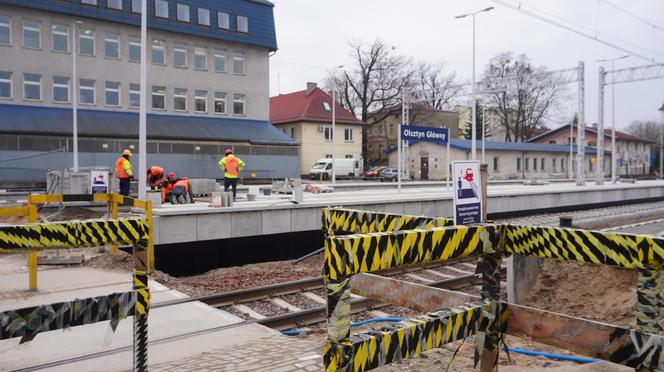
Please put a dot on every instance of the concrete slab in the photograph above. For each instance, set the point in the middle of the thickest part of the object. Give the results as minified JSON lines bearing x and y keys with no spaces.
{"x":182,"y":229}
{"x":276,"y":222}
{"x":246,"y":224}
{"x":213,"y":226}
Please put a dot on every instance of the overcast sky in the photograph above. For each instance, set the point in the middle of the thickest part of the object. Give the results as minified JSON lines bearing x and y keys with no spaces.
{"x":316,"y":33}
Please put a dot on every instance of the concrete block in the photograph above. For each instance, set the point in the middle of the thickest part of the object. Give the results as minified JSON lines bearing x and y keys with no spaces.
{"x":397,"y":208}
{"x":176,"y":229}
{"x":213,"y":226}
{"x":306,"y":219}
{"x":75,"y":259}
{"x":276,"y":221}
{"x":522,"y":273}
{"x":246,"y":224}
{"x":413,"y":208}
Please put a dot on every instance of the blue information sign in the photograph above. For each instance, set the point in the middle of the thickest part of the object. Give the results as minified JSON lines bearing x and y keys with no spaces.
{"x":413,"y":133}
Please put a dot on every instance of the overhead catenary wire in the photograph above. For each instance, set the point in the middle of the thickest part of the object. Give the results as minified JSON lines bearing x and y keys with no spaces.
{"x":636,"y":16}
{"x":521,"y":9}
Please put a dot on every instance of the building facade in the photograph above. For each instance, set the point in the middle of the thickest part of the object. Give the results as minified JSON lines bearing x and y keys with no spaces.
{"x":382,"y":134}
{"x":632,"y":153}
{"x":306,"y":116}
{"x":207,"y":66}
{"x":505,"y":160}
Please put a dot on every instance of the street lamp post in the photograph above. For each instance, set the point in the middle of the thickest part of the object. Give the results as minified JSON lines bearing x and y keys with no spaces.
{"x":474,"y":129}
{"x":613,"y":117}
{"x":142,"y":116}
{"x":74,"y":93}
{"x":661,"y":146}
{"x":334,"y":123}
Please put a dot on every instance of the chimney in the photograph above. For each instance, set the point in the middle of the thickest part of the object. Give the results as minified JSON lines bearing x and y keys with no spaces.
{"x":311,"y":87}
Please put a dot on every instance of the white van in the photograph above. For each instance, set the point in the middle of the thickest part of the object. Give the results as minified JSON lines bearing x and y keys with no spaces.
{"x":344,"y":168}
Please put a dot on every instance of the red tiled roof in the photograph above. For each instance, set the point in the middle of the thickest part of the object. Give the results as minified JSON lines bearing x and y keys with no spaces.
{"x":300,"y":106}
{"x":607,"y":133}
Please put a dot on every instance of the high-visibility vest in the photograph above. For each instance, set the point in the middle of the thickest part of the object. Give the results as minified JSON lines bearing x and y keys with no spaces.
{"x":123,"y":168}
{"x":156,"y":171}
{"x":183,"y":183}
{"x":231,"y":165}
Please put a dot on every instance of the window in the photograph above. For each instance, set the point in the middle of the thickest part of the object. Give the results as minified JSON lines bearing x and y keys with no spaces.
{"x":219,"y":60}
{"x":32,"y":87}
{"x":328,"y":133}
{"x":183,"y":14}
{"x":238,"y":63}
{"x":349,"y":156}
{"x":527,"y":164}
{"x":553,"y":142}
{"x":112,"y":46}
{"x":136,"y":6}
{"x":134,"y":95}
{"x":562,"y":164}
{"x":158,"y":55}
{"x":158,"y":97}
{"x":390,"y":130}
{"x":592,"y":144}
{"x":200,"y":58}
{"x":134,"y":49}
{"x":89,"y":2}
{"x":114,"y":4}
{"x":326,"y":106}
{"x":180,"y":99}
{"x":495,"y":164}
{"x":60,"y":38}
{"x":553,"y":164}
{"x":534,"y":164}
{"x":200,"y":101}
{"x":161,"y":8}
{"x":238,"y":104}
{"x":292,"y":132}
{"x":203,"y":17}
{"x":60,"y":89}
{"x":5,"y":31}
{"x":5,"y":84}
{"x":242,"y":24}
{"x":542,"y":164}
{"x":86,"y":40}
{"x":328,"y":156}
{"x":112,"y":93}
{"x":348,"y":134}
{"x":518,"y":164}
{"x":87,"y":91}
{"x":220,"y":102}
{"x":223,"y":21}
{"x":381,"y":129}
{"x":31,"y":34}
{"x":179,"y":55}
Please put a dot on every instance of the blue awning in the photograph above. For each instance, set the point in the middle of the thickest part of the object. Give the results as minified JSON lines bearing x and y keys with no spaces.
{"x":23,"y":119}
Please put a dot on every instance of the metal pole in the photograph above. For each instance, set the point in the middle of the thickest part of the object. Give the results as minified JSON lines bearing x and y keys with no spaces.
{"x":613,"y":127}
{"x":74,"y":94}
{"x":570,"y":175}
{"x":661,"y":147}
{"x":581,"y":130}
{"x":334,"y":126}
{"x":483,"y":131}
{"x":142,"y":147}
{"x":599,"y":171}
{"x":403,"y":117}
{"x":448,"y":162}
{"x":473,"y":130}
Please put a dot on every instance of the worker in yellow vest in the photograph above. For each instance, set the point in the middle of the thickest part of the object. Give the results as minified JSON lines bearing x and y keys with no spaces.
{"x":123,"y":172}
{"x":231,"y":166}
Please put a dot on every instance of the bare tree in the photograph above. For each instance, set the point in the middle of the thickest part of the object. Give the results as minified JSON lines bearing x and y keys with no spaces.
{"x":433,"y":87}
{"x":647,"y":129}
{"x":522,"y":94}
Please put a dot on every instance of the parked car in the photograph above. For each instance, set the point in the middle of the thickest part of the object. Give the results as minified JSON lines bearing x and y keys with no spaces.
{"x":373,"y":172}
{"x":344,"y":168}
{"x":389,"y":174}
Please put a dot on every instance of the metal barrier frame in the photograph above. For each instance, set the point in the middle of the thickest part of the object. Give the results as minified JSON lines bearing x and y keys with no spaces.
{"x":378,"y":242}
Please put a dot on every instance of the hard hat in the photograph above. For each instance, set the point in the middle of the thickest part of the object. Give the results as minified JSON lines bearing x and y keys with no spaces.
{"x":228,"y":151}
{"x":126,"y":152}
{"x":171,"y":174}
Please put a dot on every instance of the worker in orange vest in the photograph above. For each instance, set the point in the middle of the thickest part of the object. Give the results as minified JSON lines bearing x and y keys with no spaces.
{"x":167,"y":187}
{"x":231,"y":166}
{"x":123,"y":172}
{"x":155,"y":176}
{"x":182,"y":193}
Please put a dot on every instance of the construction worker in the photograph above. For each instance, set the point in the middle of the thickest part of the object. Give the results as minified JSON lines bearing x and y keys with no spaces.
{"x":155,"y":176}
{"x":123,"y":172}
{"x":182,"y":193}
{"x":167,"y":187}
{"x":231,"y":166}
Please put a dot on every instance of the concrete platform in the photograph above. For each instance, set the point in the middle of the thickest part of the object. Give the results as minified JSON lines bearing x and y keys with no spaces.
{"x":164,"y":324}
{"x":276,"y":214}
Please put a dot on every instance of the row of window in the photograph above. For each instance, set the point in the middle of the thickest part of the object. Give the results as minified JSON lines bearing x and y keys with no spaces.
{"x":60,"y":41}
{"x":183,"y":13}
{"x":348,"y":133}
{"x":32,"y":91}
{"x":524,"y":164}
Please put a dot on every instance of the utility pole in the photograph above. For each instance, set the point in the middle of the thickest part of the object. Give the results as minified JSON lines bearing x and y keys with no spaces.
{"x":142,"y":119}
{"x":74,"y":93}
{"x":599,"y":170}
{"x":581,"y":129}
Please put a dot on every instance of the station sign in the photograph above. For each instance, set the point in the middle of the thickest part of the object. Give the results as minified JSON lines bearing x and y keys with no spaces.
{"x":412,"y":133}
{"x":99,"y":182}
{"x":467,"y":192}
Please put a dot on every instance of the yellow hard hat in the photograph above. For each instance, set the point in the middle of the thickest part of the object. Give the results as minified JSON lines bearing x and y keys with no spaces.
{"x":126,"y":152}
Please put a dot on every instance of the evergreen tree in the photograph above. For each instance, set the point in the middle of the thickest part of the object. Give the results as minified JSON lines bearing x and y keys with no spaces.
{"x":480,"y":125}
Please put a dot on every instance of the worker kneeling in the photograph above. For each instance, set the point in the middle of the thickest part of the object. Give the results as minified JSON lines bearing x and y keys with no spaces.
{"x":182,"y":193}
{"x":155,"y":177}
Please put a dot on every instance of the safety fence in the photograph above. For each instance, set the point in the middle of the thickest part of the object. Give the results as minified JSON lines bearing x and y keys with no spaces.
{"x":379,"y":241}
{"x":23,"y":238}
{"x":114,"y":201}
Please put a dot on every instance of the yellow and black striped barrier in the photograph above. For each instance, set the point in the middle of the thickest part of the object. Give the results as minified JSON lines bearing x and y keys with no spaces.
{"x":380,"y":241}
